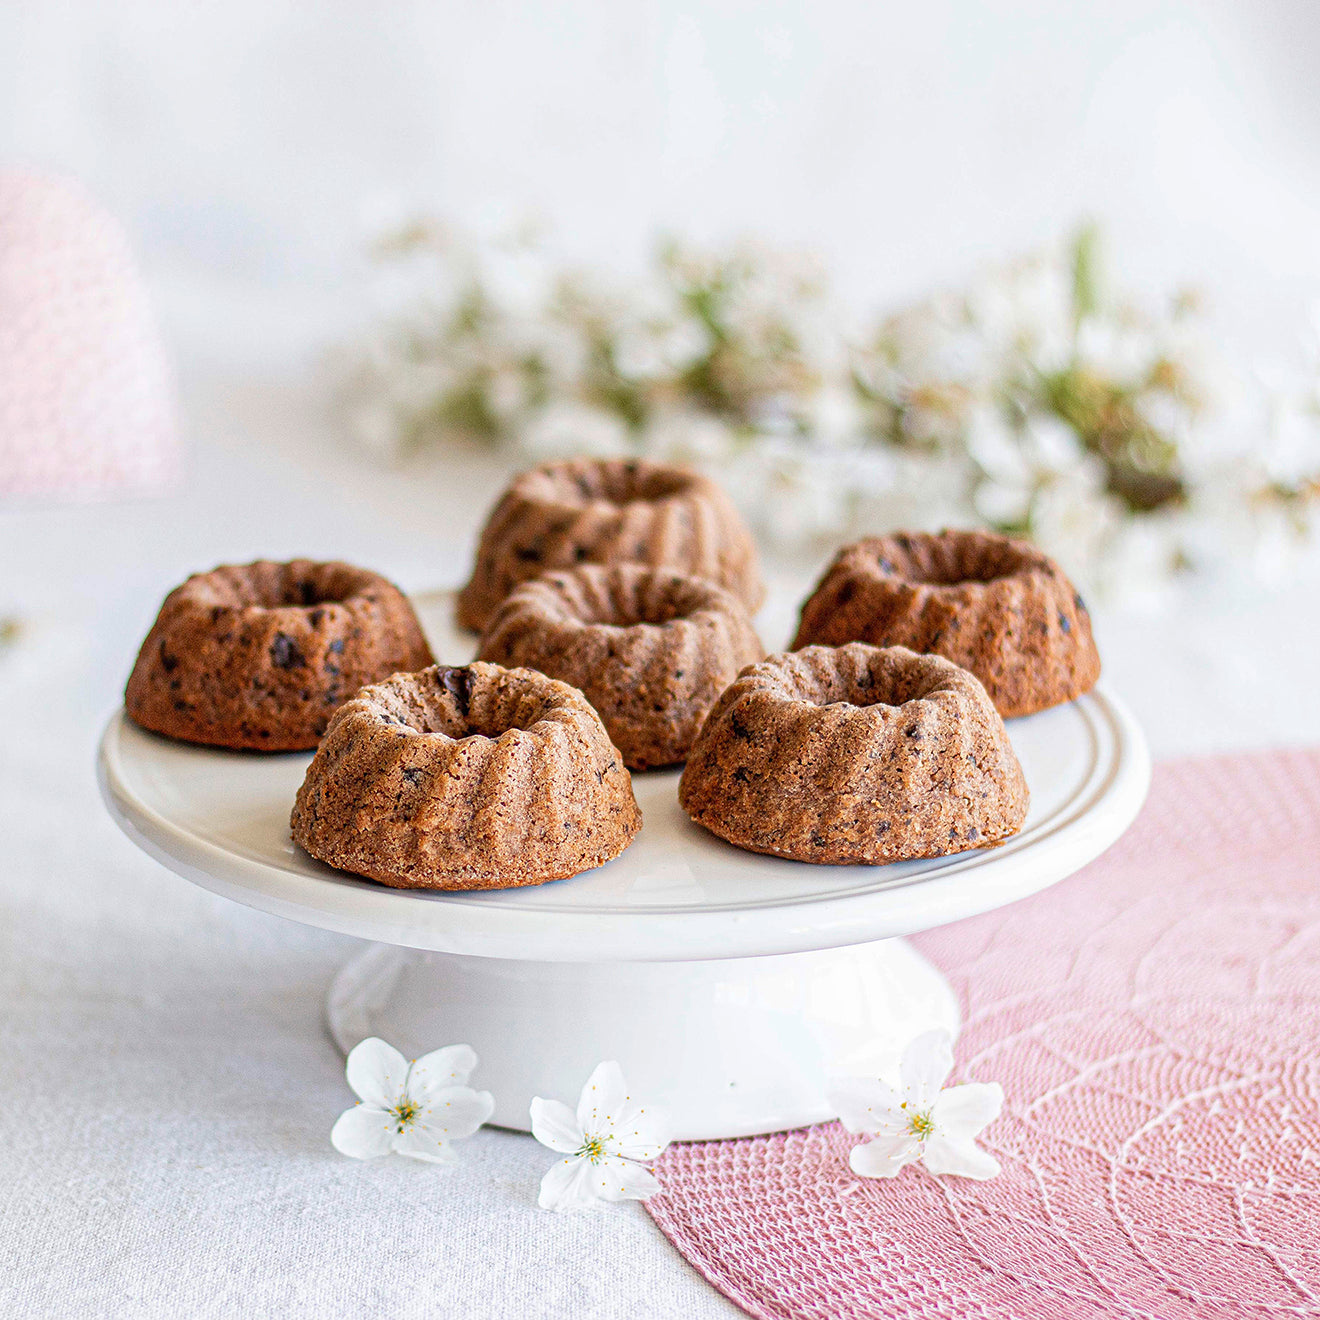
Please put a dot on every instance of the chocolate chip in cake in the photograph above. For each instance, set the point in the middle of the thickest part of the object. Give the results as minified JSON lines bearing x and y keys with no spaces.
{"x":284,"y":652}
{"x":458,"y":683}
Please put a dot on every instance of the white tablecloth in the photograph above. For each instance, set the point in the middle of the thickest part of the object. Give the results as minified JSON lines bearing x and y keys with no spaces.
{"x":166,"y":1088}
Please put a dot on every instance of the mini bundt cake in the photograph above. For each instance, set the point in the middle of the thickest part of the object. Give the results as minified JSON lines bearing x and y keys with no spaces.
{"x":855,"y":754}
{"x":994,"y":605}
{"x":609,"y":511}
{"x":651,"y":649}
{"x":473,"y":778}
{"x":260,"y":656}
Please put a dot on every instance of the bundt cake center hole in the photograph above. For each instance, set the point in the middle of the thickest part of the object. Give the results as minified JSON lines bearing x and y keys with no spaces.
{"x":307,"y":593}
{"x":465,"y":726}
{"x":619,"y":483}
{"x":869,"y":690}
{"x":458,"y":709}
{"x":940,"y":564}
{"x":309,"y":587}
{"x":955,"y":574}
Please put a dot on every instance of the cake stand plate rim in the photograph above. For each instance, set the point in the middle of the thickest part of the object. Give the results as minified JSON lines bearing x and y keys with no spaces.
{"x":968,"y":885}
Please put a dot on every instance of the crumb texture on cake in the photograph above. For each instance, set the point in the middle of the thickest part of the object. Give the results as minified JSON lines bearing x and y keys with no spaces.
{"x":650,"y":648}
{"x":608,"y":511}
{"x":993,"y":604}
{"x":855,"y":754}
{"x":478,"y":777}
{"x":260,"y":656}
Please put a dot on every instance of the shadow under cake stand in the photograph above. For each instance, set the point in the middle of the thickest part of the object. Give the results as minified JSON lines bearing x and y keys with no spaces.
{"x":728,"y":985}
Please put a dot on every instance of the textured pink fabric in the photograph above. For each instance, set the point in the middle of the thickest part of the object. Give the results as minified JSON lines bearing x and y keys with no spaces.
{"x":1154,"y":1022}
{"x":85,"y":404}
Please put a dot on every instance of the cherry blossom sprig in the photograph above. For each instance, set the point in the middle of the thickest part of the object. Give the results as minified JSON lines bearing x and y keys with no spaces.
{"x":418,"y":1109}
{"x":606,"y":1144}
{"x":920,"y":1119}
{"x":1032,"y":398}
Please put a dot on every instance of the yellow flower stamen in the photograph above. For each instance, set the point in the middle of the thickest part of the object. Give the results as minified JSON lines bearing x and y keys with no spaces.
{"x":405,"y":1114}
{"x":593,"y":1149}
{"x":921,"y":1124}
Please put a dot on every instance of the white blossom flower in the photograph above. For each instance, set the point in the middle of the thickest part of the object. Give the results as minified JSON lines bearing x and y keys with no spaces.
{"x":1023,"y":310}
{"x":920,"y":1120}
{"x":652,"y":348}
{"x":1120,"y":349}
{"x":786,"y":487}
{"x":687,"y":435}
{"x":834,"y":416}
{"x":1027,"y":399}
{"x":416,"y":1109}
{"x":563,"y":429}
{"x":605,"y":1145}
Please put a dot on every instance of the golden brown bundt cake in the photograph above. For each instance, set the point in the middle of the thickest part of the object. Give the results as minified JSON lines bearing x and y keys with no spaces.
{"x":609,"y":511}
{"x":994,"y":605}
{"x":473,"y":778}
{"x":651,"y":649}
{"x":260,"y":656}
{"x":855,"y":754}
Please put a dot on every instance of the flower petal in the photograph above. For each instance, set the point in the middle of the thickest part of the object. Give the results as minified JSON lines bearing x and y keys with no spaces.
{"x":457,"y":1111}
{"x":376,"y":1072}
{"x":569,"y":1184}
{"x":421,"y":1141}
{"x":927,"y":1063}
{"x":363,"y":1132}
{"x":553,"y":1125}
{"x":642,"y":1134}
{"x":603,"y":1099}
{"x":608,"y":1111}
{"x":622,"y":1180}
{"x":866,"y":1104}
{"x":451,"y":1066}
{"x":962,"y":1111}
{"x":884,"y":1157}
{"x":961,"y":1159}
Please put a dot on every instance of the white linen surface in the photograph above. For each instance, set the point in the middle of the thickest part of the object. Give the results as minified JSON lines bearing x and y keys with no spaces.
{"x":166,"y":1086}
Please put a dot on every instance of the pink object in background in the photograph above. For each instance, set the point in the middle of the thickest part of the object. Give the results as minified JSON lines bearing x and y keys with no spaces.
{"x":1155,"y":1023}
{"x":86,"y":406}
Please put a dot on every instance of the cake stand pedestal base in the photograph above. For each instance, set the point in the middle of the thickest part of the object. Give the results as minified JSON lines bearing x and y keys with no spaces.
{"x":730,"y":1048}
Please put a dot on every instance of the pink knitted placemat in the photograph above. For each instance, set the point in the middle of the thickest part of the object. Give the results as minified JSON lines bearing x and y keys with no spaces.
{"x":1155,"y":1023}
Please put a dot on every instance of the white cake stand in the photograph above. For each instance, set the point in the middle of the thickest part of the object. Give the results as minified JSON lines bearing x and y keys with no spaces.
{"x":729,"y":986}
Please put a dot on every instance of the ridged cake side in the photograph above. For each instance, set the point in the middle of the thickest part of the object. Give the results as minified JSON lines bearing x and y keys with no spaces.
{"x":649,"y":648}
{"x":607,"y":511}
{"x":997,"y":606}
{"x":472,"y":778}
{"x":259,"y":656}
{"x":855,"y":755}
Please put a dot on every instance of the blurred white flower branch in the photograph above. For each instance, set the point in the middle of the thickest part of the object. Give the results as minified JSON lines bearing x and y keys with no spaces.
{"x":1033,"y":400}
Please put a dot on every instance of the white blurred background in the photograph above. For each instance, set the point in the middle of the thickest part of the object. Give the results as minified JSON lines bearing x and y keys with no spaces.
{"x":247,"y":145}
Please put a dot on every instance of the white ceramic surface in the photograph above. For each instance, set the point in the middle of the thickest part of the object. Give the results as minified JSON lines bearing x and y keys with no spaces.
{"x":729,"y":985}
{"x":221,"y":820}
{"x":729,"y":1048}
